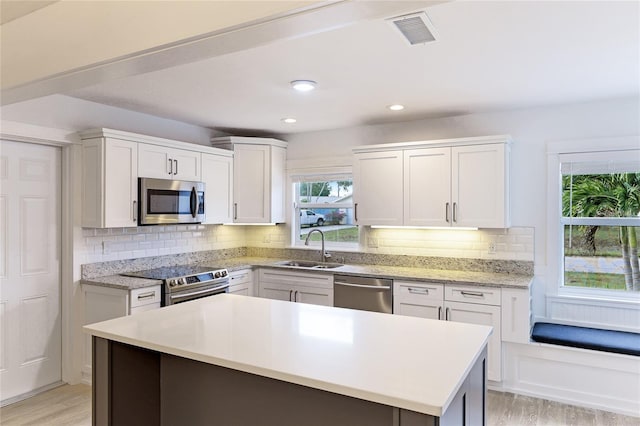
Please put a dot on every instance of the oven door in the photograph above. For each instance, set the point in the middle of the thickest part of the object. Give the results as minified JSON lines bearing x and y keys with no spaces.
{"x":170,"y":201}
{"x":196,"y":293}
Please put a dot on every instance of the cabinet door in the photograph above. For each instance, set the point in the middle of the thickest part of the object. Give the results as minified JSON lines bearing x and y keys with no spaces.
{"x":516,"y":315}
{"x":186,"y":164}
{"x":276,"y":291}
{"x":480,"y":186}
{"x":154,"y":161}
{"x":251,"y":189}
{"x":377,"y":183}
{"x":120,"y":184}
{"x":217,"y":174}
{"x":471,"y":313}
{"x":427,"y":187}
{"x":313,"y":295}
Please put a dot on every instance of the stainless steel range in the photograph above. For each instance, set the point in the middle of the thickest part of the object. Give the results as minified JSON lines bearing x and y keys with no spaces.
{"x":185,"y":283}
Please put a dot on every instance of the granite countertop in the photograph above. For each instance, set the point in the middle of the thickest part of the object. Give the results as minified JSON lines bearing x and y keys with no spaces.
{"x":441,"y":276}
{"x":340,"y":347}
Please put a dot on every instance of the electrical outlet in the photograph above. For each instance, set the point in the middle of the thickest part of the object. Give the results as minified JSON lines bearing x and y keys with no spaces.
{"x":266,"y":238}
{"x":373,"y":243}
{"x":492,"y":247}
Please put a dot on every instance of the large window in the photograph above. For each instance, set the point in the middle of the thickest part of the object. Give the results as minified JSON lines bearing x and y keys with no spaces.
{"x":600,"y":221}
{"x":324,"y":203}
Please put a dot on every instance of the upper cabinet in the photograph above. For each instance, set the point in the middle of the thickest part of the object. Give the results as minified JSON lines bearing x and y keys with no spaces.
{"x":114,"y":160}
{"x":161,"y":162}
{"x":258,"y":178}
{"x":444,"y":183}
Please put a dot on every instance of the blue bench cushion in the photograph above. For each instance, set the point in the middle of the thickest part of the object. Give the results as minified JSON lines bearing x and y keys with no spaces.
{"x":621,"y":342}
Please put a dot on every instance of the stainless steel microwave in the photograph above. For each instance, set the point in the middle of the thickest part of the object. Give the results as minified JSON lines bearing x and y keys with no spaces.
{"x":164,"y":201}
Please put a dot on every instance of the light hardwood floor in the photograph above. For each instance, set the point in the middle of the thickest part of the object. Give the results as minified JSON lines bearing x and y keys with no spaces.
{"x":71,"y":406}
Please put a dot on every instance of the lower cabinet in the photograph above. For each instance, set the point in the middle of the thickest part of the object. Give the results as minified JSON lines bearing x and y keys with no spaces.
{"x":473,"y":305}
{"x":105,"y":303}
{"x":241,"y":282}
{"x":293,"y":286}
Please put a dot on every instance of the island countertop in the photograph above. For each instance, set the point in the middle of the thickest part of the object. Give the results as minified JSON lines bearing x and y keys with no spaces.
{"x":406,"y":362}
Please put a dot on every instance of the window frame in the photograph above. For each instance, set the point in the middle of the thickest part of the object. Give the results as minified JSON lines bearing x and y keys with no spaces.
{"x":563,"y":152}
{"x":317,"y":176}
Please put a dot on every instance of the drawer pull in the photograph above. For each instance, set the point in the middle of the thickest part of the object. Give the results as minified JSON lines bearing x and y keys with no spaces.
{"x":439,"y":312}
{"x":472,"y":293}
{"x":418,"y":290}
{"x":144,"y":296}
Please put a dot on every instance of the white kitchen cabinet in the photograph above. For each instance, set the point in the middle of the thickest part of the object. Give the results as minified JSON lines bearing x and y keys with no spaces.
{"x":516,"y":315}
{"x":105,"y":303}
{"x":217,"y":175}
{"x":162,"y":162}
{"x":473,"y":305}
{"x":241,"y":282}
{"x":294,"y":286}
{"x":377,"y":177}
{"x":258,"y":178}
{"x":109,"y":183}
{"x":446,"y":183}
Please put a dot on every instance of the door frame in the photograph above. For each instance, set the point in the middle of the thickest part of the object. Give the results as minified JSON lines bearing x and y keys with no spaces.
{"x":67,"y":142}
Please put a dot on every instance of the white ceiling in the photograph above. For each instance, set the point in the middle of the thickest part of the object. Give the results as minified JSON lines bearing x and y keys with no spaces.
{"x":489,"y":56}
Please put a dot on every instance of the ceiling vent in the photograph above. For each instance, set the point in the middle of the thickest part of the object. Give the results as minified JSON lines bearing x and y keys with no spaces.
{"x":415,"y":27}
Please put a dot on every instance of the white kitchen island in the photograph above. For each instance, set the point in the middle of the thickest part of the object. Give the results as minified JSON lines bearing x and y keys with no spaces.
{"x":236,"y":360}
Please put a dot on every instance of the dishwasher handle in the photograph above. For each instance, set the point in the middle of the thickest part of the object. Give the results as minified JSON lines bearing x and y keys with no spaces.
{"x":379,"y":287}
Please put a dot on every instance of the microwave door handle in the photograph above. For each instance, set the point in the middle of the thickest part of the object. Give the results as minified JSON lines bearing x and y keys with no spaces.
{"x":194,"y":202}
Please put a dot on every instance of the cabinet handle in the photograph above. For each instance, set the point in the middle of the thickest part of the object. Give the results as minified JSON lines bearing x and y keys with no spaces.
{"x":446,"y":212}
{"x":472,"y":293}
{"x":418,"y":290}
{"x":235,"y":211}
{"x":135,"y":210}
{"x":439,"y":312}
{"x":446,"y":314}
{"x":176,"y":163}
{"x":290,"y":294}
{"x":170,"y":166}
{"x":295,"y":296}
{"x":355,"y":211}
{"x":455,"y":212}
{"x":148,"y":295}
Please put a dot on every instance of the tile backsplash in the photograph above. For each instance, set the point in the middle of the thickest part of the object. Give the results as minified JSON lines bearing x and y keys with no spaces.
{"x":101,"y":245}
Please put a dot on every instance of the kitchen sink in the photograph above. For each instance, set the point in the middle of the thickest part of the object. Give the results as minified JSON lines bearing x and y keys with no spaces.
{"x":309,"y":264}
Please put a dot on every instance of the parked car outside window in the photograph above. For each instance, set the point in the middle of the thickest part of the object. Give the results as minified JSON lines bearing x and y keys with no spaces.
{"x":311,"y":218}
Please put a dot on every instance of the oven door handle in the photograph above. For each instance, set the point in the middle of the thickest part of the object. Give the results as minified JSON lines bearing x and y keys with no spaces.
{"x":214,"y":290}
{"x":194,"y":202}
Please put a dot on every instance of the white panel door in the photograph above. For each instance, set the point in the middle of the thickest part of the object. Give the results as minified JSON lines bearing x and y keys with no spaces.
{"x":217,"y":174}
{"x":377,"y":188}
{"x":427,"y":187}
{"x":30,"y":331}
{"x":251,"y":184}
{"x":478,"y":186}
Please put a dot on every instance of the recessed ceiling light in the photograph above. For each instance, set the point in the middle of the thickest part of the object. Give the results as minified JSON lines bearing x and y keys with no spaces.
{"x":396,"y":107}
{"x":289,"y":120}
{"x":303,"y":85}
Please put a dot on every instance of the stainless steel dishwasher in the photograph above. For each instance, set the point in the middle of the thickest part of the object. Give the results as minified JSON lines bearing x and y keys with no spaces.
{"x":364,"y":293}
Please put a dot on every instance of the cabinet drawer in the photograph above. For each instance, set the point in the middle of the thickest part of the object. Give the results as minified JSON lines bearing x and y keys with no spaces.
{"x":240,"y":277}
{"x":308,"y":279}
{"x":479,"y":295}
{"x":415,"y":292}
{"x":145,"y":296}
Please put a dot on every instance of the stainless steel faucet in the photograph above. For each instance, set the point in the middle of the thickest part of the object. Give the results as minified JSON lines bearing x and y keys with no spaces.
{"x":323,"y":254}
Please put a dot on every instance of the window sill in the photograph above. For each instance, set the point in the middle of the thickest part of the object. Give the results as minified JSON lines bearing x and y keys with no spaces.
{"x":596,"y":295}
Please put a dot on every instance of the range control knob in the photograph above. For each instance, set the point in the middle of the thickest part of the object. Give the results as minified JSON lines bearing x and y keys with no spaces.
{"x":172,"y":283}
{"x":217,"y":274}
{"x":224,"y":273}
{"x":182,"y":281}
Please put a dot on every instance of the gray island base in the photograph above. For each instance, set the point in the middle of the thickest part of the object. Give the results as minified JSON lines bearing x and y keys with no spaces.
{"x":137,"y":386}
